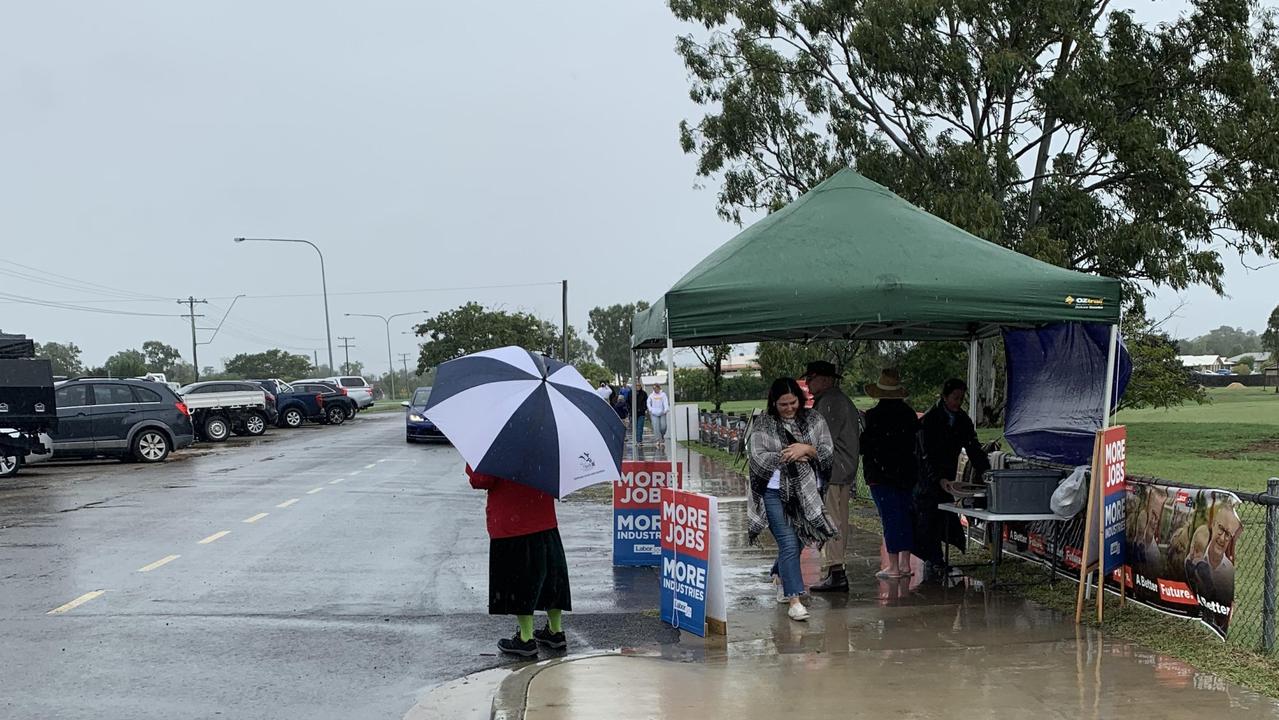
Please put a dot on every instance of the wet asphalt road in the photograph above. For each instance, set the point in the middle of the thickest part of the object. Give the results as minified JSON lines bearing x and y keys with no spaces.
{"x":351,"y":578}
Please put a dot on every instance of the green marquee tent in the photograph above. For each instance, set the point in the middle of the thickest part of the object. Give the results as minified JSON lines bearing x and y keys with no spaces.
{"x":852,"y":260}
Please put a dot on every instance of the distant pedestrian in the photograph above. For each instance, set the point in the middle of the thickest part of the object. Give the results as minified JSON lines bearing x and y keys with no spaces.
{"x":527,"y":568}
{"x":622,"y":407}
{"x":789,"y":445}
{"x":889,"y":446}
{"x":604,"y":391}
{"x":944,"y":431}
{"x":840,"y":483}
{"x":641,"y":411}
{"x":658,"y":409}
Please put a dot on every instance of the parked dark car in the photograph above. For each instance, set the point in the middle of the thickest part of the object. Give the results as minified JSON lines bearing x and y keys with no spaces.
{"x":338,"y":405}
{"x":293,"y":407}
{"x":416,"y":426}
{"x":128,"y":419}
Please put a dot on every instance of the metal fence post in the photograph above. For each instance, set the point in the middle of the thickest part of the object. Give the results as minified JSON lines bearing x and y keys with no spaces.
{"x":1272,"y":570}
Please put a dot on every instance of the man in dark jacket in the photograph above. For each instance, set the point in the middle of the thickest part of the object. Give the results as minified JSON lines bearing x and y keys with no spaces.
{"x":641,"y":411}
{"x":944,"y":431}
{"x":841,"y":417}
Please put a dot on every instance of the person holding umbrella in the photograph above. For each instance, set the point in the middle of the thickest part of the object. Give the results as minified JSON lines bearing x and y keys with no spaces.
{"x":531,"y":430}
{"x":527,"y":568}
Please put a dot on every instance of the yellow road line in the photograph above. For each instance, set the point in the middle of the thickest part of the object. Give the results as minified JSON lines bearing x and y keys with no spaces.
{"x":75,"y":603}
{"x":335,"y":482}
{"x":353,"y":474}
{"x":215,"y":536}
{"x":313,"y":491}
{"x":287,"y":503}
{"x":255,"y":518}
{"x":370,"y":466}
{"x":158,"y":563}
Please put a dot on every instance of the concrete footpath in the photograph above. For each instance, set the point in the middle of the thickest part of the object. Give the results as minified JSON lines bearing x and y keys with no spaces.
{"x":899,"y":648}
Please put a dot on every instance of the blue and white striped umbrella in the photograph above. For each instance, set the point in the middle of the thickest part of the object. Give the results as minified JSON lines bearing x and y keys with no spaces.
{"x":522,"y":416}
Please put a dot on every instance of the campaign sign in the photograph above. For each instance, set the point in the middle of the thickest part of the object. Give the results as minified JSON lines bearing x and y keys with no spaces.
{"x":637,"y":511}
{"x":686,"y":550}
{"x":1114,"y":452}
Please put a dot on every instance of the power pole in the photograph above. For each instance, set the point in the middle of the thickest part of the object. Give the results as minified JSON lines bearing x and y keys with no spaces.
{"x":346,"y":345}
{"x":404,"y":358}
{"x":195,"y":357}
{"x":315,"y":355}
{"x":565,"y":321}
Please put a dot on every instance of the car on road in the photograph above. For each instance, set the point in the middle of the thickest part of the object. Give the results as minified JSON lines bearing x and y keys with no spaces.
{"x":126,"y":419}
{"x":416,"y":426}
{"x":339,"y":406}
{"x":221,"y":407}
{"x":357,"y":388}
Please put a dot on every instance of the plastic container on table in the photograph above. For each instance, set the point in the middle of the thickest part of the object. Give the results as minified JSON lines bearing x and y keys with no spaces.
{"x":1021,"y":491}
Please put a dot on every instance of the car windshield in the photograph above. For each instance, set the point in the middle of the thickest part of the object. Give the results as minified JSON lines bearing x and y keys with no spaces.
{"x":421,"y":396}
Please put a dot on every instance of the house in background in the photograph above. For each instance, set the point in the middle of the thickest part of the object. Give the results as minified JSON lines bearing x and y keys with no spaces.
{"x":741,"y":365}
{"x":1203,"y":363}
{"x":1259,"y":360}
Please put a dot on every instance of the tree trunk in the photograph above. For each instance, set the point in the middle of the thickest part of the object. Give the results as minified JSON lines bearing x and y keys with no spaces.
{"x":989,"y":388}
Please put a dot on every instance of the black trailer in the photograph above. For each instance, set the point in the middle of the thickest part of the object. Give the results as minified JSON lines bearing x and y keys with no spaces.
{"x":26,"y":402}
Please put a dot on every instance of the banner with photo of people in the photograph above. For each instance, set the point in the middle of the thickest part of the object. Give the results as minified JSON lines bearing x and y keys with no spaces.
{"x":1180,"y":549}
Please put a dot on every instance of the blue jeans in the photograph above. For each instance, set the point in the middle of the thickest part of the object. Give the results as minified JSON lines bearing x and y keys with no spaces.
{"x":639,"y":428}
{"x":788,"y":547}
{"x":659,"y":427}
{"x":894,"y":506}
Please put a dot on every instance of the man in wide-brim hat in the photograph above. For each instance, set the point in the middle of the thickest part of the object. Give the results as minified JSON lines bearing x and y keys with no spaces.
{"x":845,"y":430}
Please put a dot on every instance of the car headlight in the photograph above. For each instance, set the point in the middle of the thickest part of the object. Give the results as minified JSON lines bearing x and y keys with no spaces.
{"x":416,"y":418}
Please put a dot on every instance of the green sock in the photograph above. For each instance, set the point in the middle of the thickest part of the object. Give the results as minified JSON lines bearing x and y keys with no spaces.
{"x":526,"y":627}
{"x":555,"y":619}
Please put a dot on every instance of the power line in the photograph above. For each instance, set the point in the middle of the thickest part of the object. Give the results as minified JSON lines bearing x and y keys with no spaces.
{"x":80,"y":308}
{"x":396,"y":292}
{"x":78,"y":283}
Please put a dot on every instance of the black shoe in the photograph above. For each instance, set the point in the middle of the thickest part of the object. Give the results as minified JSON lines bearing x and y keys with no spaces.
{"x":553,"y":640}
{"x":836,"y":581}
{"x":516,"y":646}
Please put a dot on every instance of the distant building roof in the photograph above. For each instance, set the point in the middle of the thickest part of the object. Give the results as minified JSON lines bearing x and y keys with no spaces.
{"x":1256,"y":357}
{"x":1199,"y":360}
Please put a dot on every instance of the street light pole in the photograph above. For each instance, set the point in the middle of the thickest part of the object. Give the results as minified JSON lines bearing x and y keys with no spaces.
{"x":324,"y":284}
{"x":390,"y":365}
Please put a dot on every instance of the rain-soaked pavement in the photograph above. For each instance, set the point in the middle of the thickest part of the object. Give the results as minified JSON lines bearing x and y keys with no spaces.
{"x":351,"y":584}
{"x":351,"y":580}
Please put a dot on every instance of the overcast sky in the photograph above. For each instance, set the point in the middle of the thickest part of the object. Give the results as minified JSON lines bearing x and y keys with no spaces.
{"x":421,"y":146}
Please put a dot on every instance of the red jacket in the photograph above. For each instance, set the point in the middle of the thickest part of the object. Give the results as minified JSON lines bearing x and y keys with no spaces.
{"x":514,"y":509}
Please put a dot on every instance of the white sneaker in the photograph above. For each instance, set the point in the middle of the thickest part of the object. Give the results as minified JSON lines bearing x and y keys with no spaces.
{"x":781,"y":592}
{"x":798,"y":612}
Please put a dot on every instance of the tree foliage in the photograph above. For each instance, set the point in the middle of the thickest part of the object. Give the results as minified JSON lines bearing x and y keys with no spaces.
{"x":126,"y":364}
{"x":1270,"y":338}
{"x":1224,"y":341}
{"x":64,"y":357}
{"x":160,"y":358}
{"x":712,"y":358}
{"x":1056,"y":128}
{"x":1159,"y":379}
{"x":611,"y":328}
{"x":595,"y":373}
{"x":472,"y":327}
{"x":273,"y":363}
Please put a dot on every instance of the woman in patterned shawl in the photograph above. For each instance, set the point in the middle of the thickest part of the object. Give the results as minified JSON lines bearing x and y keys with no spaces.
{"x":789,"y":446}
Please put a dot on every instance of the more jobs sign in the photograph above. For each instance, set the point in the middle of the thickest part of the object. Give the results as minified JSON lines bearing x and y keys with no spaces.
{"x":692,"y":577}
{"x":637,"y":508}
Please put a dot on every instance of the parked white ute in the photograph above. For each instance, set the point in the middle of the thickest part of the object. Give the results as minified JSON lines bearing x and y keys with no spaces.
{"x":222,"y":407}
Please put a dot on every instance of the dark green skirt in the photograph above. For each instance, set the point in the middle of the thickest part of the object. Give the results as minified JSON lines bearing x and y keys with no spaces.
{"x":527,"y":573}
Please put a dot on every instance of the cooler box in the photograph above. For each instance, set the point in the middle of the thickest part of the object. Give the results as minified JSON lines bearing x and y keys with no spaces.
{"x":1021,"y":491}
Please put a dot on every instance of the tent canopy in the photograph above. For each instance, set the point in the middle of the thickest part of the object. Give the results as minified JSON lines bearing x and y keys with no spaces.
{"x":850,"y":259}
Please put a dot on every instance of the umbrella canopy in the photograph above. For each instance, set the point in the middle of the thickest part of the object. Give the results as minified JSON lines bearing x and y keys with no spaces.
{"x":850,"y":259}
{"x":522,"y":416}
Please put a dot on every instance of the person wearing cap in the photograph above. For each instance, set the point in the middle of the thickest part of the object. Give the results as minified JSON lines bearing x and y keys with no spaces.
{"x":841,"y":417}
{"x":889,"y":446}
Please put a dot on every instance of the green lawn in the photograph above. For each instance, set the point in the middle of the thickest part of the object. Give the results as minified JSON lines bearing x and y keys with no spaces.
{"x":1231,"y":442}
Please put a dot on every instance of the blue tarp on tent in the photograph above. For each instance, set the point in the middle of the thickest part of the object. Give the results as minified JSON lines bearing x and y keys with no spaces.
{"x":1056,"y":377}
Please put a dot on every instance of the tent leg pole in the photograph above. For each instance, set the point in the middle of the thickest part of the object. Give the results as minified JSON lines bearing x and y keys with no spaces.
{"x":1112,"y":353}
{"x":670,"y":401}
{"x":634,"y":379}
{"x":972,"y":379}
